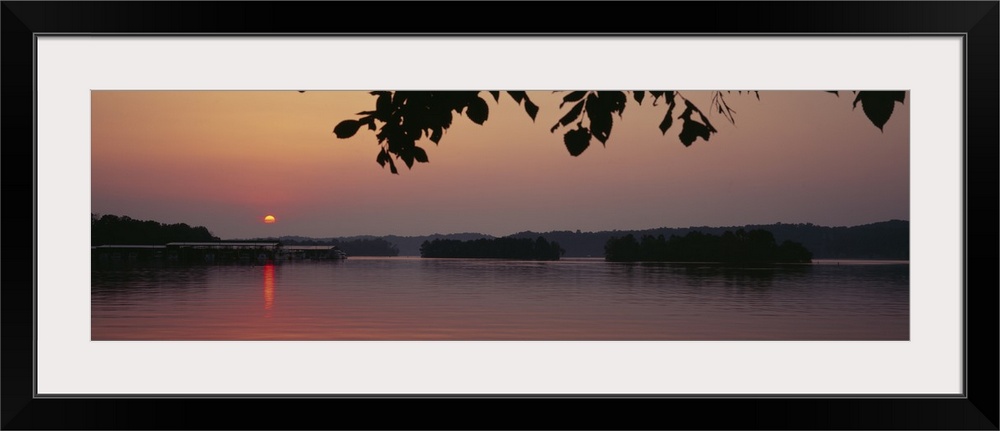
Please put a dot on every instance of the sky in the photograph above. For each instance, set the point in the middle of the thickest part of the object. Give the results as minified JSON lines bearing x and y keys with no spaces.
{"x":227,"y":159}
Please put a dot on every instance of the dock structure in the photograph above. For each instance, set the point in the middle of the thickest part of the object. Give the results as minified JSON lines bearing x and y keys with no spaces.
{"x":212,"y":252}
{"x":223,"y":252}
{"x":126,"y":253}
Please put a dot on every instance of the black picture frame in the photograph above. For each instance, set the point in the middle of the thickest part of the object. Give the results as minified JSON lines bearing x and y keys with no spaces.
{"x":978,"y":408}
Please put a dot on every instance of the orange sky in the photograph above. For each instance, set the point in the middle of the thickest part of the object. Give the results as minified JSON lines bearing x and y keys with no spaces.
{"x":225,"y":159}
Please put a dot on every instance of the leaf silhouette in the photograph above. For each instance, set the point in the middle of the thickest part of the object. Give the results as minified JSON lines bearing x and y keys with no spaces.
{"x":420,"y":155}
{"x":407,"y":157}
{"x":347,"y":128}
{"x":614,"y":101}
{"x":599,"y":113}
{"x":383,"y":106}
{"x":878,"y":105}
{"x":531,"y":109}
{"x":707,"y":124}
{"x":436,"y":135}
{"x":383,"y":158}
{"x":370,"y":121}
{"x":572,"y":97}
{"x":570,"y":116}
{"x":478,"y":111}
{"x":668,"y":120}
{"x":691,"y":131}
{"x":577,"y":140}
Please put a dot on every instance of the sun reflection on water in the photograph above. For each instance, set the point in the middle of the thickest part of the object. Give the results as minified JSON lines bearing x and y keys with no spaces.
{"x":268,"y":288}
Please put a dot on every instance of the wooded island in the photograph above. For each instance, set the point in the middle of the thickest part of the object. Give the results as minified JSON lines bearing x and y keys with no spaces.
{"x":755,"y":246}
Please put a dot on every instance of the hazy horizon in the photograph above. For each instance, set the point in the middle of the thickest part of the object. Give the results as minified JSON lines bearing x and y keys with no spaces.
{"x":557,"y":230}
{"x":225,"y":159}
{"x":521,"y":231}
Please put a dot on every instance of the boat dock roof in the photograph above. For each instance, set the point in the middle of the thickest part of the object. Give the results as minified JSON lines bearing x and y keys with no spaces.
{"x":129,"y":246}
{"x":309,"y":247}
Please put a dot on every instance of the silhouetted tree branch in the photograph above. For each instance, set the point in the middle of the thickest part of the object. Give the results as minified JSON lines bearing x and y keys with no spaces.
{"x":401,"y":118}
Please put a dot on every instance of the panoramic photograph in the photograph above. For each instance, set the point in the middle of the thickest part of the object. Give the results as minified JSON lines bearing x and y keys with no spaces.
{"x":500,"y":215}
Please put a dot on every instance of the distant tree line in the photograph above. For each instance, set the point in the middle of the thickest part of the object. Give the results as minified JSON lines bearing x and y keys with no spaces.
{"x":755,"y":246}
{"x":881,"y":240}
{"x":493,"y":248}
{"x":124,"y":230}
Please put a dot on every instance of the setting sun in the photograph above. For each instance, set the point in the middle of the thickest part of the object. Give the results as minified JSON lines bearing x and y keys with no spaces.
{"x":269,"y":219}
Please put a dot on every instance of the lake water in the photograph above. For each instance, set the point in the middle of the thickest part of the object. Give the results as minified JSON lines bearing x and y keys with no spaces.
{"x":410,"y":298}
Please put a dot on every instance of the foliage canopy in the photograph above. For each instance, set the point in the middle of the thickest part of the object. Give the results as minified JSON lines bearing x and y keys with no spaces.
{"x":402,"y":118}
